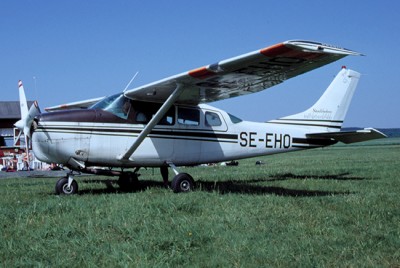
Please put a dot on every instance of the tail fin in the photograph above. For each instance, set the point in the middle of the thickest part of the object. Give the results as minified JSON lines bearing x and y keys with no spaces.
{"x":330,"y":110}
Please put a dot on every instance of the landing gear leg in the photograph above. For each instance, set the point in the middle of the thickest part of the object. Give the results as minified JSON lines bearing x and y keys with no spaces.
{"x":182,"y":182}
{"x":164,"y":174}
{"x":67,"y":185}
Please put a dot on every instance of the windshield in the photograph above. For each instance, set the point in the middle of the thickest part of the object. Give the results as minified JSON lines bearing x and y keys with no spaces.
{"x":117,"y":104}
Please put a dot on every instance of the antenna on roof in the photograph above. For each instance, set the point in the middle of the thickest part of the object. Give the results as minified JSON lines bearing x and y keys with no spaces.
{"x":34,"y":79}
{"x":133,"y":78}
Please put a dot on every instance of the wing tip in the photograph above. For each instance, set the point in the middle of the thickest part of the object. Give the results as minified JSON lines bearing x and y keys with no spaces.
{"x":313,"y":46}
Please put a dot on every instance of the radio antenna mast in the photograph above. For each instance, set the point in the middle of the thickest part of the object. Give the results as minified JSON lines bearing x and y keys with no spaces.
{"x":36,"y":93}
{"x":133,"y":78}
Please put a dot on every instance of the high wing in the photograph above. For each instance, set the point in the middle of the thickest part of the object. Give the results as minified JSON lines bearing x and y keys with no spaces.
{"x":74,"y":105}
{"x":248,"y":73}
{"x":234,"y":77}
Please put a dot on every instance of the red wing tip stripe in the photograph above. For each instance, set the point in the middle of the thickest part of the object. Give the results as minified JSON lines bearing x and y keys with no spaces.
{"x":283,"y":51}
{"x":274,"y":50}
{"x":201,"y":73}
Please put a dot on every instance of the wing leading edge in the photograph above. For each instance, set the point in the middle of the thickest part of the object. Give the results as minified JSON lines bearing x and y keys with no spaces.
{"x":248,"y":73}
{"x":74,"y":105}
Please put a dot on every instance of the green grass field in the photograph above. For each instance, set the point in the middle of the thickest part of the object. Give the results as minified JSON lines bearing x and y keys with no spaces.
{"x":330,"y":207}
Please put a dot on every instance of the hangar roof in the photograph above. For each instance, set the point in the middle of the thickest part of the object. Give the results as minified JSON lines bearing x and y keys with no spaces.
{"x":11,"y":109}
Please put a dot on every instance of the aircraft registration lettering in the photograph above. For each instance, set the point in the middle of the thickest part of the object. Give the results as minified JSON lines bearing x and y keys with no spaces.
{"x":267,"y":140}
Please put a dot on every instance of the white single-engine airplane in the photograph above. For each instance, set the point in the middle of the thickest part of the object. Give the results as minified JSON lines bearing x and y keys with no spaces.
{"x":166,"y":123}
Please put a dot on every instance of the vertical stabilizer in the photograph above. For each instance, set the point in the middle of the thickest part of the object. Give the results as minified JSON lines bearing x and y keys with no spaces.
{"x":330,"y":110}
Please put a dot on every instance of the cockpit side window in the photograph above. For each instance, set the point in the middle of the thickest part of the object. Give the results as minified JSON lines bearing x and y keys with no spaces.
{"x":137,"y":112}
{"x":144,"y":112}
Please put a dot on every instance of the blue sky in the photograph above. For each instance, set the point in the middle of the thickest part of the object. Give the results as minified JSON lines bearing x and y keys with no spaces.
{"x":66,"y":51}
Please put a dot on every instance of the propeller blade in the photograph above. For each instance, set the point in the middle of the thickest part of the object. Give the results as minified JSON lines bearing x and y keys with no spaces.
{"x":22,"y":99}
{"x":27,"y":116}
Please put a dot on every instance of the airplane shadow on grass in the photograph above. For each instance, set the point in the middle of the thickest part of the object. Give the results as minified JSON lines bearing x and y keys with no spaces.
{"x":235,"y":186}
{"x":247,"y":187}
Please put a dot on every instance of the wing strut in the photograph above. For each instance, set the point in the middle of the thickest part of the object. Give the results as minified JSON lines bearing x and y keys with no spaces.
{"x":156,"y":118}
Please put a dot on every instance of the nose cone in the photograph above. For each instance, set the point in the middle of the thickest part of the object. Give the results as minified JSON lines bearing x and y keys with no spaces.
{"x":49,"y":149}
{"x":40,"y":147}
{"x":60,"y":136}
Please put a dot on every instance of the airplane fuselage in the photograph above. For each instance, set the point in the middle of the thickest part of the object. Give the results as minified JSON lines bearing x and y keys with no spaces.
{"x":190,"y":136}
{"x":167,"y":123}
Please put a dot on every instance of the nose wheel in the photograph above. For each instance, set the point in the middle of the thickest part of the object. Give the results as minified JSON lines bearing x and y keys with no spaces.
{"x":66,"y":186}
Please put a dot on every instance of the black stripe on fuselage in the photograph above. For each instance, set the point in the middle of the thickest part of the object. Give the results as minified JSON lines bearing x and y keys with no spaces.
{"x":313,"y":123}
{"x":311,"y":120}
{"x":166,"y":134}
{"x":307,"y":142}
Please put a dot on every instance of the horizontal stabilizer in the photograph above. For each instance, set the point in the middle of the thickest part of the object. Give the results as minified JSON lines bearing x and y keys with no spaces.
{"x":350,"y":136}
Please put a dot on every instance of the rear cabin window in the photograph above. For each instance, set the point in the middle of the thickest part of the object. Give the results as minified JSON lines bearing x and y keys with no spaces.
{"x":212,"y":119}
{"x":189,"y":117}
{"x":235,"y":119}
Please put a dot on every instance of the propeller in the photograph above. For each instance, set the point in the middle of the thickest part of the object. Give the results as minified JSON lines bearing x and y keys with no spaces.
{"x":25,"y":123}
{"x":27,"y":117}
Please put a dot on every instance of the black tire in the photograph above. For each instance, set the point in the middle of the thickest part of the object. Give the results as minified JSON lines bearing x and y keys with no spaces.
{"x":63,"y":189}
{"x":128,"y":182}
{"x":182,"y":183}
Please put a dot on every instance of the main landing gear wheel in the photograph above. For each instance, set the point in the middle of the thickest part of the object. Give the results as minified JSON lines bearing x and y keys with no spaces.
{"x":182,"y":183}
{"x":63,"y":188}
{"x":128,"y":181}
